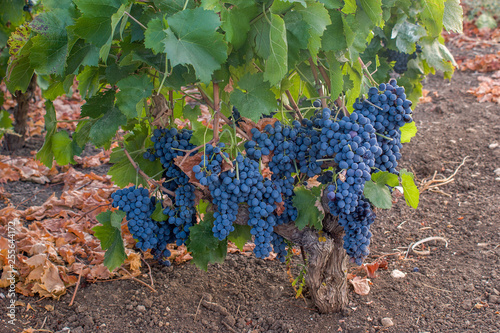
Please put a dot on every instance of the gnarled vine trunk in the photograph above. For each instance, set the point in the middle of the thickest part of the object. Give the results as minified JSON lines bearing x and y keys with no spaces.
{"x":326,"y":275}
{"x":326,"y":262}
{"x":16,"y":141}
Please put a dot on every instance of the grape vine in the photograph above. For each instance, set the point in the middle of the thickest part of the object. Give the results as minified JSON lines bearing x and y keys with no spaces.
{"x":238,"y":121}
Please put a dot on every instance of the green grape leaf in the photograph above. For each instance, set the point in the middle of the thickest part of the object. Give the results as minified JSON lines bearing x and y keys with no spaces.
{"x":104,"y":129}
{"x":236,"y":23}
{"x":192,"y":39}
{"x":334,"y":37}
{"x":81,"y":54}
{"x":109,"y":234}
{"x":123,"y":172}
{"x":336,"y":76}
{"x":357,"y":29}
{"x":132,"y":90}
{"x":115,"y":19}
{"x":158,"y":215}
{"x":432,"y":16}
{"x":50,"y":46}
{"x":115,"y":72}
{"x":99,"y":104}
{"x":259,"y":37}
{"x":307,"y":202}
{"x":277,"y":62}
{"x":82,"y":132}
{"x":437,"y":55}
{"x":378,"y":194}
{"x":63,"y":148}
{"x":154,"y":35}
{"x":408,"y":131}
{"x":88,"y":81}
{"x":385,"y":178}
{"x":19,"y":74}
{"x":201,"y":136}
{"x":407,"y":34}
{"x":5,"y":121}
{"x":95,"y":23}
{"x":317,"y":17}
{"x":45,"y":154}
{"x":192,"y":113}
{"x":349,"y":7}
{"x":240,"y":235}
{"x":11,"y":11}
{"x":254,"y":97}
{"x":411,"y":193}
{"x":373,"y":9}
{"x":453,"y":16}
{"x":204,"y":247}
{"x":332,"y":4}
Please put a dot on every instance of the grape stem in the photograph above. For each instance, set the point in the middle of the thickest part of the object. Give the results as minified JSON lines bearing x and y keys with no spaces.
{"x":383,"y":136}
{"x":188,"y":152}
{"x":378,"y":107}
{"x":294,"y":105}
{"x":217,"y":112}
{"x":144,"y":175}
{"x":221,"y":115}
{"x":318,"y":83}
{"x":135,"y":20}
{"x":367,"y":72}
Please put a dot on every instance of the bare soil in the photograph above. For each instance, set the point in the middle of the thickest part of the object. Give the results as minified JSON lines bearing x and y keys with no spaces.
{"x":453,"y":289}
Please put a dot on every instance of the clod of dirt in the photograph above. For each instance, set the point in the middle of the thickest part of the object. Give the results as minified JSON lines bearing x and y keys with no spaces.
{"x":387,"y":322}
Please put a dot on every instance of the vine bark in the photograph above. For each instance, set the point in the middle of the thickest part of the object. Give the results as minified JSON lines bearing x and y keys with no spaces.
{"x":16,"y":141}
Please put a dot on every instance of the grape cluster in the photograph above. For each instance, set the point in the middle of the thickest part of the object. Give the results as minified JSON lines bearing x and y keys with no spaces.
{"x":357,"y":229}
{"x":401,"y":58}
{"x":388,"y":110}
{"x":150,"y":234}
{"x":29,"y":6}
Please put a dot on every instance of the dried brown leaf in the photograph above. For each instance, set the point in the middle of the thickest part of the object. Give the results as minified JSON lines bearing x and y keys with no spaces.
{"x":361,"y":285}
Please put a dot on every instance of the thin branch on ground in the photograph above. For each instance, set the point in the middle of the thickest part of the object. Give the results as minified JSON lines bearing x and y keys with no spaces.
{"x":77,"y":285}
{"x":433,"y":183}
{"x":136,"y":279}
{"x":150,"y":275}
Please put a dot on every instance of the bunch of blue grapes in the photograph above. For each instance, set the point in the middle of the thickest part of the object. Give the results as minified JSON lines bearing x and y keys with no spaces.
{"x":356,"y":227}
{"x":182,"y":214}
{"x":279,"y":247}
{"x":355,"y":148}
{"x":28,"y":7}
{"x":229,"y":190}
{"x":388,"y":110}
{"x":169,"y":143}
{"x":150,"y":234}
{"x":210,"y":166}
{"x":262,"y":203}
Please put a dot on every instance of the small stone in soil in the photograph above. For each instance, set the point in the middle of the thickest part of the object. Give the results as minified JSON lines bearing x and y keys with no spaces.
{"x":141,"y":308}
{"x":397,"y":274}
{"x":493,"y":145}
{"x":387,"y":322}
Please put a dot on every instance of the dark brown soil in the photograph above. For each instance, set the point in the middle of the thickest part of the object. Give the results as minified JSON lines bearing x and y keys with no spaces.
{"x":454,"y":289}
